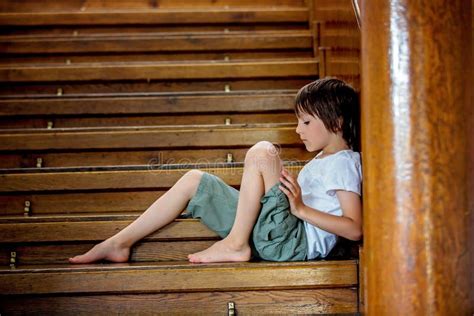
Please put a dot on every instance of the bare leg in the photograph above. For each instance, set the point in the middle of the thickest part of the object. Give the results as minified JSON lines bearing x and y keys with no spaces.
{"x":160,"y":213}
{"x":261,"y":171}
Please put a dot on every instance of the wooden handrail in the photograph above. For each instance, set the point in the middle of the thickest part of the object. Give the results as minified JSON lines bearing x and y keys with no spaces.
{"x":356,"y":6}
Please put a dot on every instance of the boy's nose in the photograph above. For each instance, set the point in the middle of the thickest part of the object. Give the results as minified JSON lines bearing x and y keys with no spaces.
{"x":298,"y":130}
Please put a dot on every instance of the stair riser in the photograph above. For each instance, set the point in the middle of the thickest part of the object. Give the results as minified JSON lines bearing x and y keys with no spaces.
{"x":142,"y":137}
{"x":191,"y":103}
{"x":68,"y":30}
{"x":147,"y":120}
{"x":52,"y":196}
{"x":57,"y":253}
{"x":188,"y":229}
{"x":156,"y":44}
{"x":151,"y":86}
{"x":126,"y":279}
{"x":109,"y":72}
{"x":54,"y":5}
{"x":155,"y":57}
{"x":153,"y":158}
{"x":288,"y":302}
{"x":152,"y":17}
{"x":112,"y":180}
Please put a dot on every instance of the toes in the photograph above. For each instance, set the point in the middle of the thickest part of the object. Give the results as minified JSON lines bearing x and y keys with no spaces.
{"x":75,"y":259}
{"x":193,"y":258}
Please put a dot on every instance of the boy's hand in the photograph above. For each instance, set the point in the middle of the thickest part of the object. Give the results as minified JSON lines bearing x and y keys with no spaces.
{"x":292,"y":190}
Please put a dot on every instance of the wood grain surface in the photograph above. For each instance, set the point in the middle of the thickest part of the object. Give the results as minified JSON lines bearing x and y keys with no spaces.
{"x":176,"y":276}
{"x":289,"y":302}
{"x":414,"y":142}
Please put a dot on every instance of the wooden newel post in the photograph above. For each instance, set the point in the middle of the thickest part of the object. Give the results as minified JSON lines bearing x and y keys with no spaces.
{"x":415,"y":156}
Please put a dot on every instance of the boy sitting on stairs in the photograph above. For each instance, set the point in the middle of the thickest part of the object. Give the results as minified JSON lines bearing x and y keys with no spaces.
{"x":273,"y":217}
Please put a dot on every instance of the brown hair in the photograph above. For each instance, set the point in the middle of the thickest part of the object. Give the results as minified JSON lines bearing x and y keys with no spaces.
{"x":336,"y":104}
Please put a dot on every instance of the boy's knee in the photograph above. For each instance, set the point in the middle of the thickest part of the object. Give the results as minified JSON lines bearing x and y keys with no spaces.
{"x":192,"y":178}
{"x":262,"y":149}
{"x":194,"y":174}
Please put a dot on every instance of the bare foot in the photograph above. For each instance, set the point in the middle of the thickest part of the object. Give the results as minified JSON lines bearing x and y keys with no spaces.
{"x":108,"y":250}
{"x":221,"y":251}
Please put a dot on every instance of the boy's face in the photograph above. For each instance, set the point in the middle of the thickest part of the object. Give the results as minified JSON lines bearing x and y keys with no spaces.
{"x":312,"y":132}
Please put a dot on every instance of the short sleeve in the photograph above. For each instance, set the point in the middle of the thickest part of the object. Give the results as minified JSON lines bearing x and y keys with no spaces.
{"x":344,"y":174}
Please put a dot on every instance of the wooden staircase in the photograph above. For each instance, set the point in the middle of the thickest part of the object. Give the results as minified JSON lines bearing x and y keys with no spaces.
{"x":104,"y":105}
{"x":164,"y":288}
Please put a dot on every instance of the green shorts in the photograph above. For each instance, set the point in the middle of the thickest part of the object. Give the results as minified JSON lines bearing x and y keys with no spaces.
{"x":277,"y":235}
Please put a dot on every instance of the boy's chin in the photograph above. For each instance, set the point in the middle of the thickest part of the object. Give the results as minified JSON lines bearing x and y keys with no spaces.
{"x":310,"y":148}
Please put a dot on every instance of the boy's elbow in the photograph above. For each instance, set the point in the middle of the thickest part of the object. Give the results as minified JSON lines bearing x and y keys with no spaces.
{"x":353,"y":230}
{"x":356,"y":235}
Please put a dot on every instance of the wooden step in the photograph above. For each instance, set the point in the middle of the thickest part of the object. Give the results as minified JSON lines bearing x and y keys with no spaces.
{"x":177,"y":277}
{"x":255,"y":287}
{"x":53,"y":239}
{"x":147,"y":120}
{"x":58,"y":253}
{"x":157,"y":16}
{"x":97,"y":192}
{"x":117,"y":88}
{"x":61,"y":228}
{"x":156,"y":137}
{"x":151,"y":103}
{"x":50,"y":203}
{"x":140,"y":110}
{"x":142,"y":177}
{"x":89,"y":199}
{"x":165,"y":33}
{"x":76,"y":5}
{"x":144,"y":71}
{"x":55,"y":252}
{"x":71,"y":58}
{"x":337,"y":301}
{"x":158,"y":43}
{"x":152,"y":158}
{"x":91,"y":30}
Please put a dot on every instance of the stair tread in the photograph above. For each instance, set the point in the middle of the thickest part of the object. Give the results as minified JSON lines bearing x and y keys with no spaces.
{"x":160,"y":64}
{"x":190,"y":9}
{"x":175,"y":265}
{"x":136,"y":137}
{"x":158,"y":44}
{"x":90,"y":217}
{"x":153,"y":34}
{"x":157,"y":16}
{"x":172,"y":104}
{"x":176,"y":277}
{"x":4,"y":98}
{"x":146,"y":128}
{"x":137,"y":167}
{"x":123,"y":179}
{"x":96,"y":230}
{"x":298,"y":67}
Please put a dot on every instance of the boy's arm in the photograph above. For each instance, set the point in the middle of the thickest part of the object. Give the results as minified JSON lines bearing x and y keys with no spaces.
{"x":349,"y":225}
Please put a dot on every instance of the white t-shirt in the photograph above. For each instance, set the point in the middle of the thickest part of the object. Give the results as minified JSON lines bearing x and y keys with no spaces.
{"x":319,"y":179}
